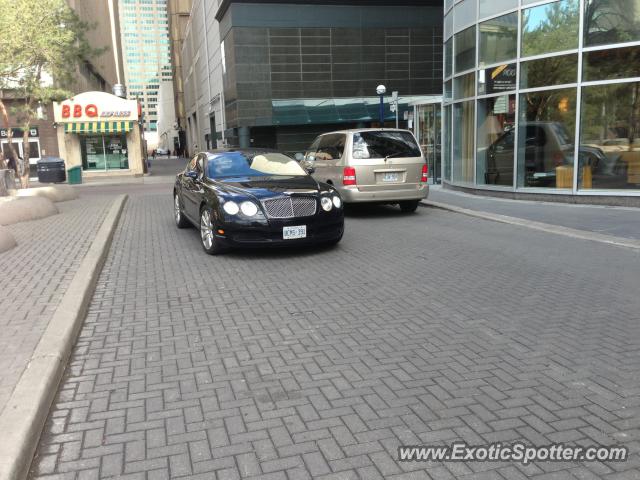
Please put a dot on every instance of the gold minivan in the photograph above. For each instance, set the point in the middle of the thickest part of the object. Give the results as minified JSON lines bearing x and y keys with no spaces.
{"x":370,"y":165}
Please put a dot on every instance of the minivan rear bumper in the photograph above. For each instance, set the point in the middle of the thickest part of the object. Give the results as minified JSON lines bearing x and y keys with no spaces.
{"x":355,"y":195}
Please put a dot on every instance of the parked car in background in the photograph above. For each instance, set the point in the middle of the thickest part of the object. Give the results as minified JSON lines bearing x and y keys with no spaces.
{"x":253,"y":198}
{"x":162,"y":151}
{"x":370,"y":165}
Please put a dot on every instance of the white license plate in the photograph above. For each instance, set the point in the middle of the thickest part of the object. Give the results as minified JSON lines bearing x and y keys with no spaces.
{"x":390,"y":177}
{"x":292,"y":233}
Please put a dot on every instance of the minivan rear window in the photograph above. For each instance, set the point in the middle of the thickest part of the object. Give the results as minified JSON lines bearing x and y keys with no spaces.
{"x":383,"y":144}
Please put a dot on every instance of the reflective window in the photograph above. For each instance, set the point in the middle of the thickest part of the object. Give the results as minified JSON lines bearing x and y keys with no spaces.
{"x":611,"y":64}
{"x":498,"y":39}
{"x":609,"y":143}
{"x":463,"y":141}
{"x":549,"y":71}
{"x":446,"y":143}
{"x":497,"y":79}
{"x":496,"y":140}
{"x":448,"y":25}
{"x":448,"y":58}
{"x":552,"y":27}
{"x":464,"y":13}
{"x":546,"y":133}
{"x":465,"y":49}
{"x":464,"y":86}
{"x":492,"y":7}
{"x":448,"y":92}
{"x":611,"y":21}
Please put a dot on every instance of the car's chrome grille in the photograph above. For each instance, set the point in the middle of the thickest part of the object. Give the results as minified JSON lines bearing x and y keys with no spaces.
{"x":289,"y":207}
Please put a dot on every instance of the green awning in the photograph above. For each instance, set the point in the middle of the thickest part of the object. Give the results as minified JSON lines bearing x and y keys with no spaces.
{"x":89,"y":128}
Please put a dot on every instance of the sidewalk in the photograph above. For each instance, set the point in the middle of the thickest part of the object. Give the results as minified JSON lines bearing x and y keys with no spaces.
{"x":623,"y":222}
{"x":35,"y":276}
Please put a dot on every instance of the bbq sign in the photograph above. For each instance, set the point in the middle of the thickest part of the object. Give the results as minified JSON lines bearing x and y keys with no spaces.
{"x":96,"y":107}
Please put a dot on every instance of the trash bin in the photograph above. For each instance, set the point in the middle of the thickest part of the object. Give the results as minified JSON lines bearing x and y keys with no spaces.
{"x":51,"y":170}
{"x":75,"y":175}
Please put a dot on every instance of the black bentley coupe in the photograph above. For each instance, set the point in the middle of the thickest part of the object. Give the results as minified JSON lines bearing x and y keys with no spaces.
{"x":252,"y":198}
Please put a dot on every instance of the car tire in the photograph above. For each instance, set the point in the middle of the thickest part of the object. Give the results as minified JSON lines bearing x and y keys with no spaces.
{"x":207,"y":236}
{"x":409,"y":206}
{"x":181,"y":220}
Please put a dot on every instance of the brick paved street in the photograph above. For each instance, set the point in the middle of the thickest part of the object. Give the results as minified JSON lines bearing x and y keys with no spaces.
{"x":418,"y":329}
{"x":35,"y":276}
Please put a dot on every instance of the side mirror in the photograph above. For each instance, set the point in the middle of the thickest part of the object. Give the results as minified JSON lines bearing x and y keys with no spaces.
{"x":193,"y":175}
{"x":309,"y":169}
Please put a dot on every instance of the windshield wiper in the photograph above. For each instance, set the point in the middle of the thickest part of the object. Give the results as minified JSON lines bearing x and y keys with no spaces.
{"x":394,"y":155}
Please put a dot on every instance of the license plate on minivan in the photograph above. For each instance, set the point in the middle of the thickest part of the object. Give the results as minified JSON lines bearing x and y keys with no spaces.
{"x":293,"y":233}
{"x":390,"y":177}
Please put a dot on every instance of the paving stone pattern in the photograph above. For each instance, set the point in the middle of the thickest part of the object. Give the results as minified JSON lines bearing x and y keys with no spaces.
{"x":35,"y":275}
{"x":417,"y":329}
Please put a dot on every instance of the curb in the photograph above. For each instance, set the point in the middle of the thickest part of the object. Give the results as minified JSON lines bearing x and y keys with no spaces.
{"x":26,"y":412}
{"x":543,"y":227}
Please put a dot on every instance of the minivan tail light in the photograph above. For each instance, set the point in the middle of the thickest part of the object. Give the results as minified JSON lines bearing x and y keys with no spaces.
{"x":425,"y":173}
{"x":349,"y":176}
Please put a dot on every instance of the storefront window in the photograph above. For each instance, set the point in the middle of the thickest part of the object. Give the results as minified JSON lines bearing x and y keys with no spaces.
{"x":609,"y":140}
{"x":104,"y":152}
{"x":549,"y":71}
{"x":546,"y":134}
{"x":446,"y":144}
{"x":464,"y":86}
{"x":429,"y":132}
{"x":498,"y":39}
{"x":611,"y":64}
{"x":611,"y":21}
{"x":496,"y":140}
{"x":551,"y":27}
{"x":463,"y":142}
{"x":465,"y":49}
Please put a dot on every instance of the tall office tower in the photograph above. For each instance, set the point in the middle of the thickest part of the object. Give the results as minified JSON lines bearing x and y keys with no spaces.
{"x":144,"y":25}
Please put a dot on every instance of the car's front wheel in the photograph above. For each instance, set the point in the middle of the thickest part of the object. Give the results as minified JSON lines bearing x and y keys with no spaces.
{"x":181,"y":221}
{"x":409,"y":206}
{"x":207,"y":234}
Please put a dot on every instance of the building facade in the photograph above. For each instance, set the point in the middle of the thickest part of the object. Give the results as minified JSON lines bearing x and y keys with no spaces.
{"x":542,"y":97}
{"x":144,"y":27}
{"x":292,"y":69}
{"x":179,"y":13}
{"x":203,"y":78}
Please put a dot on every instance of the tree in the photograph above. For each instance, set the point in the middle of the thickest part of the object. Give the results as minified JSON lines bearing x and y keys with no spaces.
{"x":42,"y":42}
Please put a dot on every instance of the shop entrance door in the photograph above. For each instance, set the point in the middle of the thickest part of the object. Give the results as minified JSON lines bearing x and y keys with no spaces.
{"x":429,"y":135}
{"x":104,"y":152}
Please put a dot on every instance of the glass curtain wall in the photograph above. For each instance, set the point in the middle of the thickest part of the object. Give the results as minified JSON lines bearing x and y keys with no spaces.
{"x":530,"y":105}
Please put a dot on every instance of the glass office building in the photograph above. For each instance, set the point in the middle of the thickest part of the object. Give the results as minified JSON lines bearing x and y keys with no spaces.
{"x":144,"y":26}
{"x":542,"y":97}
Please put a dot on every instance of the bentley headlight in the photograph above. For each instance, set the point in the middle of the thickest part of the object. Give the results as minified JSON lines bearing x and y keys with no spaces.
{"x":326,"y":203}
{"x":249,"y":209}
{"x":231,"y":208}
{"x":337,"y":202}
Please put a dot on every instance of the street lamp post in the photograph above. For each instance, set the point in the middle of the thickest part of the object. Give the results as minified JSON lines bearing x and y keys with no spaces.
{"x":381,"y":90}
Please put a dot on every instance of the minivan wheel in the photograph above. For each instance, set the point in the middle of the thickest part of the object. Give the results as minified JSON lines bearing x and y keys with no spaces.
{"x":409,"y":206}
{"x":209,"y":242}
